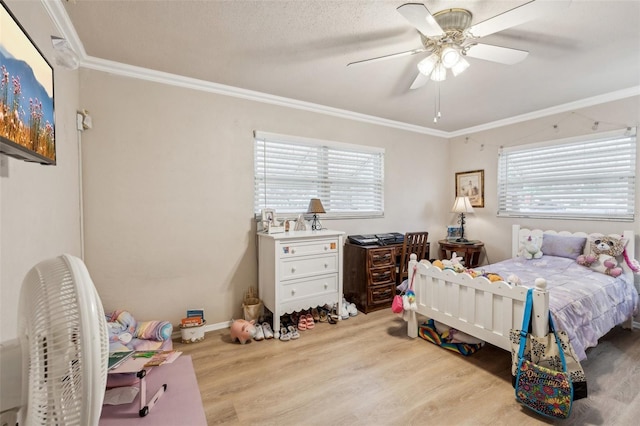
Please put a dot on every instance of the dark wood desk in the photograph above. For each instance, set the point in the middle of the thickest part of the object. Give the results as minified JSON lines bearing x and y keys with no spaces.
{"x":469,"y":251}
{"x":369,"y":278}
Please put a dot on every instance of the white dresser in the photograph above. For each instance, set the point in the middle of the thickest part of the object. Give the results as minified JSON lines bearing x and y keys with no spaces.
{"x":299,"y":270}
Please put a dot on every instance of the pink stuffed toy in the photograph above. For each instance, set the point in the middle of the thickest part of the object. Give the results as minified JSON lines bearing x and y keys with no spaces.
{"x":242,"y":331}
{"x":603,"y":255}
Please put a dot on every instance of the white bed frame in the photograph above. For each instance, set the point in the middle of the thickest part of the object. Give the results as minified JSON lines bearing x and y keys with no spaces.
{"x":484,"y":309}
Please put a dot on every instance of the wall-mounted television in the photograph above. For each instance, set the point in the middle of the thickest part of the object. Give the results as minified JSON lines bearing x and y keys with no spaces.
{"x":27,"y":121}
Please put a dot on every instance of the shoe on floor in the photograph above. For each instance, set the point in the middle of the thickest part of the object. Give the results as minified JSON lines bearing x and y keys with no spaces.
{"x":351,"y":307}
{"x":309,"y":321}
{"x":345,"y":312}
{"x":315,"y":314}
{"x":267,"y":331}
{"x":353,"y":311}
{"x":284,"y":334}
{"x":323,"y":315}
{"x":302,"y":322}
{"x":259,"y":333}
{"x":293,"y":333}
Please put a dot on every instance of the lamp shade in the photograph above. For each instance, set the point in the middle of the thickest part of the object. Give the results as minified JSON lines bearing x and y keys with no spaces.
{"x":459,"y":67}
{"x":315,"y":206}
{"x":450,"y":56}
{"x":439,"y":73}
{"x":462,"y":205}
{"x":427,"y":65}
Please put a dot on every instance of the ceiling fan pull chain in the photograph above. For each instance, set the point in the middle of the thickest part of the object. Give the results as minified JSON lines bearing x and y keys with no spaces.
{"x":436,"y":112}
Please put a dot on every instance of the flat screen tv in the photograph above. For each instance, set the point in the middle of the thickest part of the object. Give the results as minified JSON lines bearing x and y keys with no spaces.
{"x":27,"y":124}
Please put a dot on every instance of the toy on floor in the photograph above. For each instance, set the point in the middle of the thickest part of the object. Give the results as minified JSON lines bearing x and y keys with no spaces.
{"x":242,"y":331}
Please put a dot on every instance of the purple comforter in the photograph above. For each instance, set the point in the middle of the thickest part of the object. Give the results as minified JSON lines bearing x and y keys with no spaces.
{"x":584,"y":303}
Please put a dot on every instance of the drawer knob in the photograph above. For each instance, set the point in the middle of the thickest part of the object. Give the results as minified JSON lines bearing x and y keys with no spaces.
{"x":293,"y":251}
{"x":326,"y":286}
{"x":326,"y":265}
{"x":293,"y":270}
{"x":326,"y":248}
{"x":293,"y":291}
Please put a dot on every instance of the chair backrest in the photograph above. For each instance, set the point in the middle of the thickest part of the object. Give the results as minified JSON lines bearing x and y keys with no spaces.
{"x":414,"y":242}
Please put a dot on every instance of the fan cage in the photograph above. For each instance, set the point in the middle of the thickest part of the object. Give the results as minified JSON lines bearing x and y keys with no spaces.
{"x":65,"y":344}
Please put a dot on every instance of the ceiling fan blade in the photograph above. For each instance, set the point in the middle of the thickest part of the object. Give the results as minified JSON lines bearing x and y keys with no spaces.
{"x":516,"y":16}
{"x":419,"y":16}
{"x":502,"y":55}
{"x":391,"y":56}
{"x":420,"y":81}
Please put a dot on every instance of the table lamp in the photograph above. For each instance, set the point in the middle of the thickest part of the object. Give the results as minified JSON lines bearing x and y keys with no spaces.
{"x":462,"y":205}
{"x":315,"y":207}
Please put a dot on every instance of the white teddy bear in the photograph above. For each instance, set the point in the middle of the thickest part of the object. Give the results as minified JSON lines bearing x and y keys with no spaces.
{"x":531,"y":248}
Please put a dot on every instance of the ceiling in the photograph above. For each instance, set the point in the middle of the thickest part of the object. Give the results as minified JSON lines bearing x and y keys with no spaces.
{"x":300,"y":50}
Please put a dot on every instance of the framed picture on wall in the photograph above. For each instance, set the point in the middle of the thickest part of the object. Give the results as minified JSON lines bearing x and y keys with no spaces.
{"x":471,"y":184}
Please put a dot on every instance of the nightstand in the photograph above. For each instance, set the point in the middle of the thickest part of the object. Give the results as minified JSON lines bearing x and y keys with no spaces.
{"x":470,"y":251}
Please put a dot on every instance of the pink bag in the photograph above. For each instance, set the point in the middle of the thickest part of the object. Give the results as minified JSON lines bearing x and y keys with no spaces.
{"x":396,"y":305}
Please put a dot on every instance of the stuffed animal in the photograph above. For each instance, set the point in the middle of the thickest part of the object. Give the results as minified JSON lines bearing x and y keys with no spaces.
{"x":118,"y":332}
{"x":482,"y":273}
{"x":602,"y":258}
{"x":513,"y":279}
{"x":457,"y":262}
{"x":242,"y":331}
{"x":453,"y":264}
{"x":531,"y":248}
{"x":121,"y":326}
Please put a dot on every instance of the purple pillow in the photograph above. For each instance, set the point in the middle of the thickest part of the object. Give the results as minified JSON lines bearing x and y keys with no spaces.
{"x":563,"y":245}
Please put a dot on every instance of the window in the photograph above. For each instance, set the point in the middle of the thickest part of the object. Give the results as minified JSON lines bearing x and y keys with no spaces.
{"x":589,"y":177}
{"x":289,"y":171}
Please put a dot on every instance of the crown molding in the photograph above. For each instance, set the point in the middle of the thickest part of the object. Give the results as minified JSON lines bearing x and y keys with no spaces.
{"x":63,"y":23}
{"x":558,"y":109}
{"x":222,"y":89}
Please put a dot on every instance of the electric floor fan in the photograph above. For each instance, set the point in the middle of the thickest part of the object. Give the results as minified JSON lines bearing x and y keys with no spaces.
{"x":64,"y":340}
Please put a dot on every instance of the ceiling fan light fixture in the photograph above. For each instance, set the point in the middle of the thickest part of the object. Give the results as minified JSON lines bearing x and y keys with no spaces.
{"x":459,"y":67}
{"x":450,"y":56}
{"x":427,"y":65}
{"x":439,"y":73}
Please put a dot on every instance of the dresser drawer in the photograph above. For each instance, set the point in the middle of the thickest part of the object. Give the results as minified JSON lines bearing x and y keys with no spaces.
{"x":314,"y":286}
{"x":307,"y":248}
{"x":381,"y":257}
{"x":381,"y":295}
{"x":298,"y":267}
{"x":379,"y":276}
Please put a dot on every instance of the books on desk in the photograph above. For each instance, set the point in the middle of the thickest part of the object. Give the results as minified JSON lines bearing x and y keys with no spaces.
{"x":156,"y":358}
{"x":139,"y":360}
{"x":117,"y":358}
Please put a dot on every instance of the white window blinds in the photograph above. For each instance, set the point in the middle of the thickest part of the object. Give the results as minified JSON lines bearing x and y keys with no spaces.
{"x":289,"y":171}
{"x":590,"y":177}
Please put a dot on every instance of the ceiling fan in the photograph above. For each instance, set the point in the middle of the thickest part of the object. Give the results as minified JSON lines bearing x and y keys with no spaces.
{"x":449,"y":36}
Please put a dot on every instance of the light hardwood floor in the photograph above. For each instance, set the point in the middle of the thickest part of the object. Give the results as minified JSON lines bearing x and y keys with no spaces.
{"x":366,"y":371}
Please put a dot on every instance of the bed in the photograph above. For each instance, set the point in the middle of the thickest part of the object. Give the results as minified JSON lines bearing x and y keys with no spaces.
{"x":585,"y":303}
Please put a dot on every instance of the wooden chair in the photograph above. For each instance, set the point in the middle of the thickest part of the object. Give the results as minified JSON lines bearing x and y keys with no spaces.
{"x":414,"y":242}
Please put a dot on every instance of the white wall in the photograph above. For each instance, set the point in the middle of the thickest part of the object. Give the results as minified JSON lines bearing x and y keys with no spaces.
{"x":39,"y":205}
{"x":480,"y":151}
{"x":168,"y":190}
